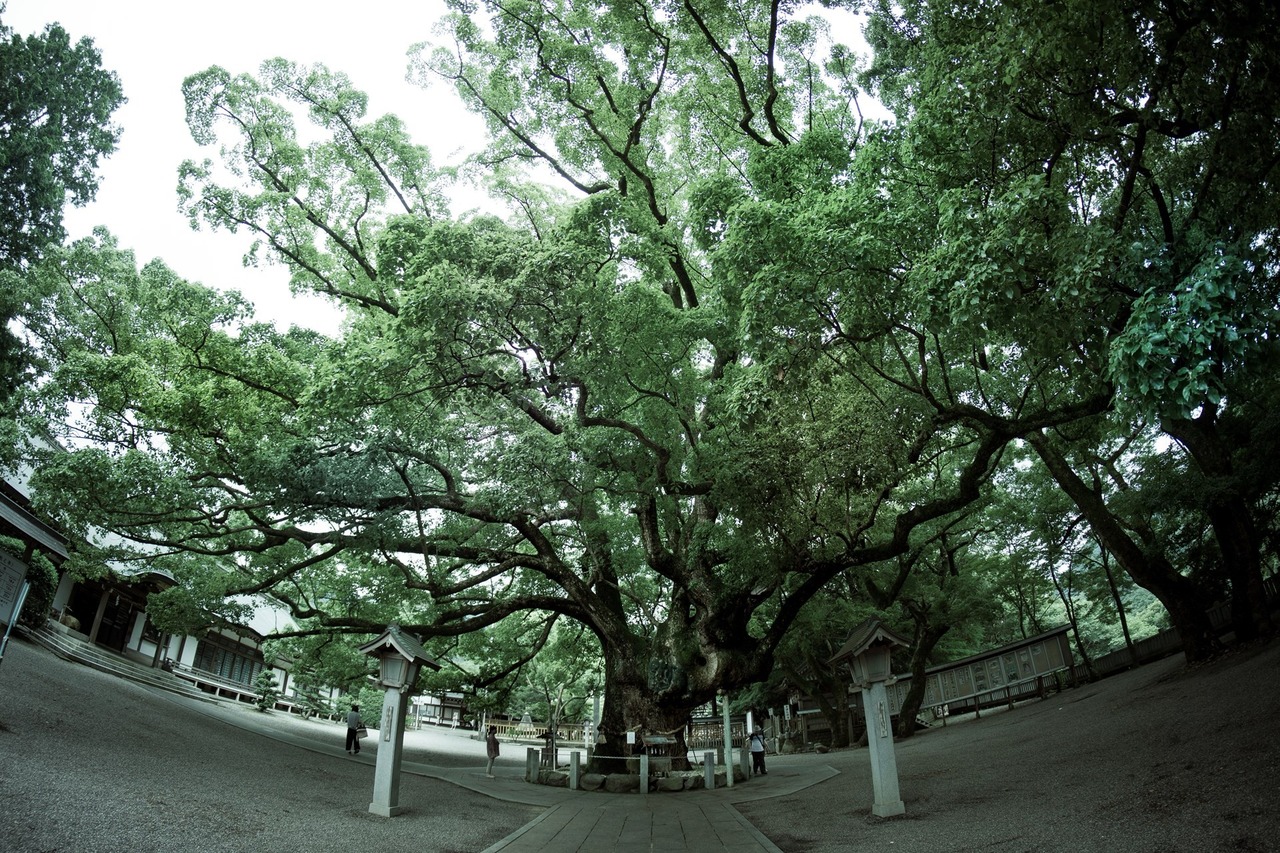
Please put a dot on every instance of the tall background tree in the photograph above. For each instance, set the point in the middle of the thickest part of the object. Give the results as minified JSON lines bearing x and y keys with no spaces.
{"x":1114,"y":165}
{"x":56,"y":103}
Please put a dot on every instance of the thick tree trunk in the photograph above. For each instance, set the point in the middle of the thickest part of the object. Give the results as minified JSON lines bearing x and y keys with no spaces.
{"x":837,"y":714}
{"x":1232,"y":521}
{"x":654,"y":684}
{"x":1233,"y":528}
{"x":632,"y":708}
{"x":927,"y":637}
{"x":646,"y":701}
{"x":831,"y":694}
{"x":1180,"y":596}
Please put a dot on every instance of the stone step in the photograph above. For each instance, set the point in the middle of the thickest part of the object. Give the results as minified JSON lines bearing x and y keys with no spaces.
{"x":87,"y":654}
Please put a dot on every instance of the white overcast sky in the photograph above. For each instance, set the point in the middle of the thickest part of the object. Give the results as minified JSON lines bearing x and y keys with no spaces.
{"x":154,"y":44}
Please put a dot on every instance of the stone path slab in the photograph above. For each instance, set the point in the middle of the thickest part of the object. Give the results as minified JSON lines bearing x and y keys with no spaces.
{"x":627,"y":827}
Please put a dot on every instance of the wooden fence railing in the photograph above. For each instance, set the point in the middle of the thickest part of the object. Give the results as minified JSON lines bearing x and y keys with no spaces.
{"x":1168,"y":641}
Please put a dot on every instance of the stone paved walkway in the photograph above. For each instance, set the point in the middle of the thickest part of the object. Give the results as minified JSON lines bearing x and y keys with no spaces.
{"x":626,"y":826}
{"x":630,"y":823}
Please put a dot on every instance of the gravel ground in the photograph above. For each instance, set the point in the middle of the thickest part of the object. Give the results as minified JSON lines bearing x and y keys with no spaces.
{"x":1163,"y":758}
{"x":91,"y":763}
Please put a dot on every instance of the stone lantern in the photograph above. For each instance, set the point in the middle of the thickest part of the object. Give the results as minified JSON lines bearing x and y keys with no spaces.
{"x":400,"y":659}
{"x":867,"y":653}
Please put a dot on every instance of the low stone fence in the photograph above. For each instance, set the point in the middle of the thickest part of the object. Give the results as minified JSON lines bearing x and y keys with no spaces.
{"x":668,"y":781}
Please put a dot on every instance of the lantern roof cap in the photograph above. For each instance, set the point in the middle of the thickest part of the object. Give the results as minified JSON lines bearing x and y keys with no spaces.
{"x":870,"y":632}
{"x":406,"y":645}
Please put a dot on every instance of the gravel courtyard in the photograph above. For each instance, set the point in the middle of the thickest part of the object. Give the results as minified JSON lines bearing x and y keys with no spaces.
{"x":1163,"y":758}
{"x":90,"y":763}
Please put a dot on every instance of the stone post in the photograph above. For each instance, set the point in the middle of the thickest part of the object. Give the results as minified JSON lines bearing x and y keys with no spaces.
{"x":386,"y":774}
{"x":575,"y":770}
{"x":709,"y":770}
{"x":884,"y":765}
{"x":644,"y":774}
{"x":728,"y":741}
{"x":531,"y":765}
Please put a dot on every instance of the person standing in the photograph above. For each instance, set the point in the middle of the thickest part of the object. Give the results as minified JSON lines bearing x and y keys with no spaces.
{"x":491,"y":749}
{"x":353,"y":725}
{"x":757,"y":752}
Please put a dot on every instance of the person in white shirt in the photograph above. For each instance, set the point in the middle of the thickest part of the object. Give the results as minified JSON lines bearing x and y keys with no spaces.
{"x":757,"y":752}
{"x":491,"y":749}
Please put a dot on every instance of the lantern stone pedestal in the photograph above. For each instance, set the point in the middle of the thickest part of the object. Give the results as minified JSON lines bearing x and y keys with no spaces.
{"x":386,"y":773}
{"x":884,"y":764}
{"x":400,"y":658}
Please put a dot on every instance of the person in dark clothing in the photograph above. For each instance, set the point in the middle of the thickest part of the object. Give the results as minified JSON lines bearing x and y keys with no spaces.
{"x":354,"y":724}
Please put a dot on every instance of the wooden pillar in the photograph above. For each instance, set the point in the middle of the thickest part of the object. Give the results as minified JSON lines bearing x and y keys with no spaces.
{"x":97,"y":617}
{"x":160,"y":646}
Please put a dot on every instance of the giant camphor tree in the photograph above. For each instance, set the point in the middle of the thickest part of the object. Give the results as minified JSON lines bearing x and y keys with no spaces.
{"x":606,"y":410}
{"x":750,"y":345}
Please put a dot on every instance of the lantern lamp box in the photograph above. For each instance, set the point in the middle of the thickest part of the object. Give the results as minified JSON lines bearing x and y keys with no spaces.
{"x":400,"y":658}
{"x":867,"y":651}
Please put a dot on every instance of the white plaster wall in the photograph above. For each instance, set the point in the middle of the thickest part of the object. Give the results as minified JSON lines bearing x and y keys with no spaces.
{"x":63,"y":593}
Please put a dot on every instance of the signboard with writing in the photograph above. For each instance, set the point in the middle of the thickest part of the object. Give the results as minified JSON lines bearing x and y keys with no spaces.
{"x":13,"y":573}
{"x":979,"y":672}
{"x":1025,"y":668}
{"x":1010,"y":661}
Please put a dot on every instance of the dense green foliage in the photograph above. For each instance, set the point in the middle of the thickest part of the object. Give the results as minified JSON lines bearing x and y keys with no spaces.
{"x":558,"y":684}
{"x":758,"y":368}
{"x":56,"y":103}
{"x":266,"y":687}
{"x":1107,"y":191}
